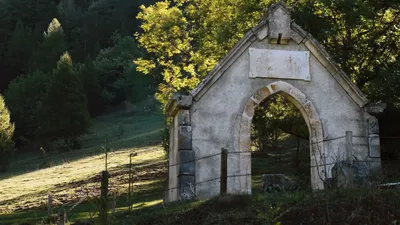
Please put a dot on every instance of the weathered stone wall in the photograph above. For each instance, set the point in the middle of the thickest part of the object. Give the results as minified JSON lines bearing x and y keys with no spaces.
{"x":216,"y":116}
{"x":221,"y":111}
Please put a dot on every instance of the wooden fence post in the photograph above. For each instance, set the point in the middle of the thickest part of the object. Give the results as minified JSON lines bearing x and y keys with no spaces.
{"x":49,"y":205}
{"x":103,"y":212}
{"x":224,"y":171}
{"x":349,"y":152}
{"x":130,"y":187}
{"x":62,"y":217}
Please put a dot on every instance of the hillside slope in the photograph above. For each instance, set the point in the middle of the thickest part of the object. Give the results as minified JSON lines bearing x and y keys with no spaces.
{"x":74,"y":176}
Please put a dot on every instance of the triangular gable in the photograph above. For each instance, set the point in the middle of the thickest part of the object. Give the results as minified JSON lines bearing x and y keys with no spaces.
{"x":297,"y":34}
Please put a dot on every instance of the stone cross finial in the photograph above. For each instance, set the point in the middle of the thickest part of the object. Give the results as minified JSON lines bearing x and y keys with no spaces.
{"x":279,"y":23}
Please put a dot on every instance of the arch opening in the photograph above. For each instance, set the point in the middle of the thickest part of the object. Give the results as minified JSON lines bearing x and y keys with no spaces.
{"x":280,"y":156}
{"x":239,"y":165}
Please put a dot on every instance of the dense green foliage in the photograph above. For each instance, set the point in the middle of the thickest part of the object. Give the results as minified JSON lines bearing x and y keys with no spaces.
{"x":87,"y":26}
{"x":187,"y":38}
{"x":24,"y":96}
{"x":50,"y":49}
{"x":6,"y":134}
{"x":98,"y":34}
{"x":64,"y":110}
{"x":19,"y":49}
{"x":116,"y":74}
{"x":180,"y":41}
{"x":273,"y":117}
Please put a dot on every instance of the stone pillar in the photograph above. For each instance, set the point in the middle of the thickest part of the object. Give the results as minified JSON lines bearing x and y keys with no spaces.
{"x":374,"y":149}
{"x":187,"y":181}
{"x":181,"y":169}
{"x":373,"y":138}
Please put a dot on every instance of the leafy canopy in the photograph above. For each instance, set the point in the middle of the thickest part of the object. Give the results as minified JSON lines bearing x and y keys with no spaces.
{"x":186,"y":39}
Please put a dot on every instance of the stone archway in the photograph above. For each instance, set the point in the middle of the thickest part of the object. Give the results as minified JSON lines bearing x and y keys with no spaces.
{"x":310,"y":115}
{"x":276,"y":56}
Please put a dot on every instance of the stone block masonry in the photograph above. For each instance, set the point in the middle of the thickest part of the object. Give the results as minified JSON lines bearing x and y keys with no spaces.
{"x":275,"y":57}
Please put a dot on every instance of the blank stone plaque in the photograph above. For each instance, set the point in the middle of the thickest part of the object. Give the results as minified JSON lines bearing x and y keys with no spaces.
{"x":280,"y":64}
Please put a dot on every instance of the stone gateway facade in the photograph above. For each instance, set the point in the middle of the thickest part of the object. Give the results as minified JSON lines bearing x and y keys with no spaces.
{"x":276,"y":56}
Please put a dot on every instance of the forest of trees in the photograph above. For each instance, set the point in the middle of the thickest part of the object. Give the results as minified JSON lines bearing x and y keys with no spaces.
{"x":62,"y":62}
{"x":83,"y":57}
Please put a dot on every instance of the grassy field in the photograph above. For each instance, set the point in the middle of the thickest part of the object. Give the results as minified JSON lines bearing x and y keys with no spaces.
{"x":74,"y":176}
{"x":73,"y":179}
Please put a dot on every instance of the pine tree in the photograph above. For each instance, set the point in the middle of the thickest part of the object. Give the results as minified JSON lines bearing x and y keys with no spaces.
{"x":19,"y":50}
{"x":92,"y":88}
{"x":65,"y":113}
{"x":6,"y":27}
{"x":51,"y":48}
{"x":71,"y":18}
{"x":23,"y":97}
{"x":6,"y":134}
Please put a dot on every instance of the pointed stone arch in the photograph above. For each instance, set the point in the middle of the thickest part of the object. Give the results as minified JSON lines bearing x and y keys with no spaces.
{"x":242,"y":180}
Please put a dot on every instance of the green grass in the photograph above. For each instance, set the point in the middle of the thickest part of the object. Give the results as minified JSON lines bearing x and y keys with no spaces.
{"x":353,"y":206}
{"x":73,"y":174}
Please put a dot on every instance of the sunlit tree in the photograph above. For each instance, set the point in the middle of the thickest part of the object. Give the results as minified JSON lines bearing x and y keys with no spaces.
{"x":50,"y":50}
{"x":6,"y":134}
{"x":186,"y":39}
{"x":64,"y":109}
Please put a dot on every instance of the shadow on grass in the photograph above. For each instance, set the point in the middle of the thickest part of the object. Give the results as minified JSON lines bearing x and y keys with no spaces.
{"x":147,"y":182}
{"x":350,"y":206}
{"x":148,"y":192}
{"x":21,"y":199}
{"x":136,"y":136}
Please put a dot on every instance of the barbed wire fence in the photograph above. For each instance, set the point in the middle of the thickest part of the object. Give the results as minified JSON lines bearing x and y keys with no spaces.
{"x":192,"y":186}
{"x":219,"y":178}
